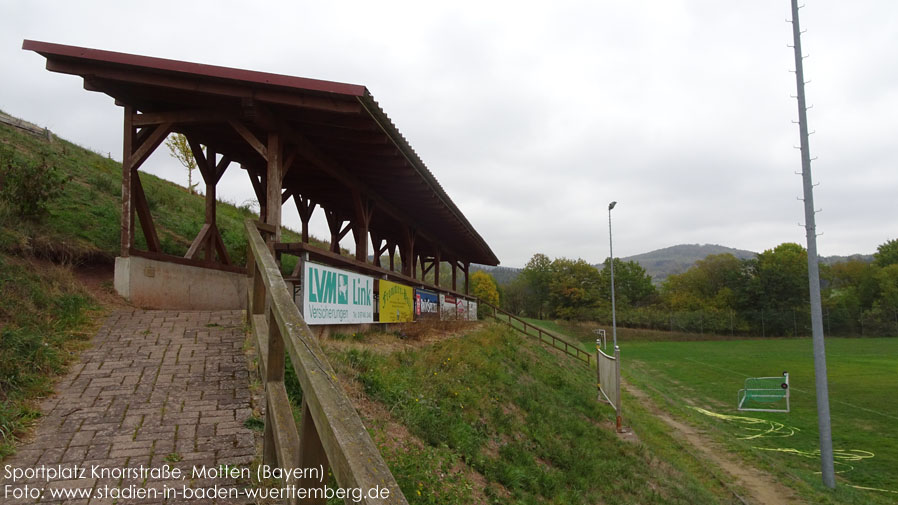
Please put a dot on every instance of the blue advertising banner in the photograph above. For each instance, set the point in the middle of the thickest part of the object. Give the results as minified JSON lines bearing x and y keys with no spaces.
{"x":427,"y":304}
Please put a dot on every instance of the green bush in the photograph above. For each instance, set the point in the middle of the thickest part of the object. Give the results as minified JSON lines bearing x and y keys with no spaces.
{"x":28,"y":187}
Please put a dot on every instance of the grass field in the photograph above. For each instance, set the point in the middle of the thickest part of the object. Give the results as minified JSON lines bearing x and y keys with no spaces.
{"x":863,"y":380}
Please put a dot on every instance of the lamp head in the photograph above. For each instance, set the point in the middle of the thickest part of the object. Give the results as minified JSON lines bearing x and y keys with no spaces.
{"x":611,"y":205}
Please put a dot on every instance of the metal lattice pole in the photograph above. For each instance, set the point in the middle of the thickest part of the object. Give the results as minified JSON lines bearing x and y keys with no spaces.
{"x":823,"y":417}
{"x":611,"y":261}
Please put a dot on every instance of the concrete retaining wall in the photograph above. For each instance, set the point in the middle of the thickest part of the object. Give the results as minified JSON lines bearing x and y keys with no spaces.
{"x":154,"y":284}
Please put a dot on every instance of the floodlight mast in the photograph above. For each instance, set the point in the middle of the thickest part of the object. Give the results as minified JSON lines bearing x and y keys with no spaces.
{"x":611,"y":261}
{"x":823,"y":417}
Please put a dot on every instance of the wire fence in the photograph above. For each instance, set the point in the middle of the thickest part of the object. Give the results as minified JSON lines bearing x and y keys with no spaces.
{"x":763,"y":323}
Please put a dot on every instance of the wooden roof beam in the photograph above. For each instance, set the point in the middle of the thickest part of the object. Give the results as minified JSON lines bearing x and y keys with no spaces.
{"x":205,"y":86}
{"x":182,"y":117}
{"x":323,"y":162}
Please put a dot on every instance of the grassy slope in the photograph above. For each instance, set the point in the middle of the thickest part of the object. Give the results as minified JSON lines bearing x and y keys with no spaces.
{"x":45,"y":317}
{"x":86,"y":218}
{"x":493,"y":417}
{"x":708,"y":373}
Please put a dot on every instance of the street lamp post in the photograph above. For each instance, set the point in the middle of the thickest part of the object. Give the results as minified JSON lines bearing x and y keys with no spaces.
{"x":611,"y":252}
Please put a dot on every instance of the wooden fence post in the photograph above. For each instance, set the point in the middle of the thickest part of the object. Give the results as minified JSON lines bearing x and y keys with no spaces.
{"x":311,"y":454}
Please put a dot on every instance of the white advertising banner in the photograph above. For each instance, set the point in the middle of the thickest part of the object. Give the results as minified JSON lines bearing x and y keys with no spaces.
{"x":448,"y":311}
{"x":462,"y":305}
{"x":333,"y":296}
{"x":472,"y":310}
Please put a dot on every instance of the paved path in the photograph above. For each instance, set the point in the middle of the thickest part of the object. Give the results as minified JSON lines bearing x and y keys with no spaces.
{"x":157,"y":388}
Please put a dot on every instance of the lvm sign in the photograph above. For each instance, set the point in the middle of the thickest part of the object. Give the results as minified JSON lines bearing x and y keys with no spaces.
{"x":333,"y":296}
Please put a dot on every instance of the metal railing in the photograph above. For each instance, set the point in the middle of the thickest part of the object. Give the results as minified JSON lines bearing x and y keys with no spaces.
{"x":332,"y":434}
{"x":608,"y":380}
{"x":553,"y":340}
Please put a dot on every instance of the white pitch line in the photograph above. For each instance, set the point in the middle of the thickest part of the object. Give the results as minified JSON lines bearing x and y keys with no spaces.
{"x":796,"y":389}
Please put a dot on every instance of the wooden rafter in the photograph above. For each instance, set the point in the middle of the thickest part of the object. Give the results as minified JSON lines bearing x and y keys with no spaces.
{"x":250,"y":138}
{"x":320,"y":160}
{"x":148,"y":144}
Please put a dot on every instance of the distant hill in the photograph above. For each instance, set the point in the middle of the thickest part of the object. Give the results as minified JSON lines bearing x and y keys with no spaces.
{"x":829,"y":260}
{"x":662,"y":263}
{"x":677,"y":259}
{"x":503,"y":275}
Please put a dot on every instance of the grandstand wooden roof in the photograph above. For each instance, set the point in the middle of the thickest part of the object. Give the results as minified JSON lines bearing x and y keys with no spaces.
{"x":345,"y":141}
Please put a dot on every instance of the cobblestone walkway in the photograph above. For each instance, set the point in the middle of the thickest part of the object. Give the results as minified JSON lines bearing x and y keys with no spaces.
{"x":157,"y":388}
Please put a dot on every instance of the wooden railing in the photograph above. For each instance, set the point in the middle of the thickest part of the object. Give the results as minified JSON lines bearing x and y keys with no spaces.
{"x":332,"y":435}
{"x":524,"y":327}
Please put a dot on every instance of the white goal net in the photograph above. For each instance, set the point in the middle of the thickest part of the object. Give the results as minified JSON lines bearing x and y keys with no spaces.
{"x":765,"y":394}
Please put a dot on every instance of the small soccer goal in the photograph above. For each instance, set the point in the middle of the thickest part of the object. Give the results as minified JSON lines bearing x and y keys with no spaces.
{"x":765,"y":394}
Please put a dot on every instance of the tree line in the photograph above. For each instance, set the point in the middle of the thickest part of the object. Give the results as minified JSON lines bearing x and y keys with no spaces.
{"x":765,"y":296}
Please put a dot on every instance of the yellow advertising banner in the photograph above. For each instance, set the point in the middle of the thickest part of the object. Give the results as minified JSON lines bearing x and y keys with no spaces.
{"x":396,"y":303}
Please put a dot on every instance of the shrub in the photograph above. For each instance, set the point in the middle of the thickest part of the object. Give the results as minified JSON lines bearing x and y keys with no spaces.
{"x":28,"y":187}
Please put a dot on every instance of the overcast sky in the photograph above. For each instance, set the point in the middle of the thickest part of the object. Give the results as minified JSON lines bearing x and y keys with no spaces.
{"x":534,"y":118}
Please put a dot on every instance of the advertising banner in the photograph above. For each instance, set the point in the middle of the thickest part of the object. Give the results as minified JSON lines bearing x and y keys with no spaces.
{"x":334,"y":296}
{"x":448,"y":310}
{"x":397,"y":302}
{"x":472,"y":310}
{"x":462,"y":306}
{"x":427,"y":304}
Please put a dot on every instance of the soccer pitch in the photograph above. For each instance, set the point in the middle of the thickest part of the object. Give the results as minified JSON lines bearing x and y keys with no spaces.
{"x":698,"y":381}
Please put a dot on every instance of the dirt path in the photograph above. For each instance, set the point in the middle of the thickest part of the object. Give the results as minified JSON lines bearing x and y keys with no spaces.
{"x":755,"y":486}
{"x":97,"y":279}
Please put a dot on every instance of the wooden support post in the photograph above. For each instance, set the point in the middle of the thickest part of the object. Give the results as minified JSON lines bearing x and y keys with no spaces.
{"x":273,"y":184}
{"x":334,"y":224}
{"x":274,"y":373}
{"x":305,"y":207}
{"x":311,"y":453}
{"x":127,"y":217}
{"x":407,"y":251}
{"x":392,"y":250}
{"x":436,"y":268}
{"x":467,"y":269}
{"x":275,"y":368}
{"x":251,"y":283}
{"x":136,"y":148}
{"x":377,"y":244}
{"x":209,"y":238}
{"x":454,"y":264}
{"x":258,"y":292}
{"x":211,"y":186}
{"x":364,"y":209}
